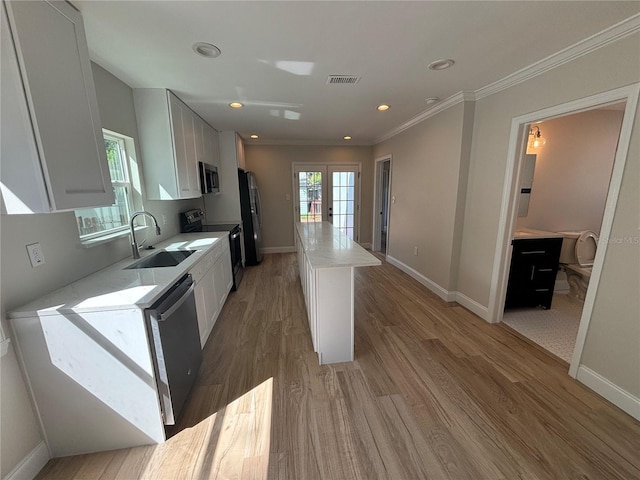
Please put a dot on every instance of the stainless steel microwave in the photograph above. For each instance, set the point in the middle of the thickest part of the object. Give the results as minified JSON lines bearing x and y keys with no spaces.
{"x":209,"y":181}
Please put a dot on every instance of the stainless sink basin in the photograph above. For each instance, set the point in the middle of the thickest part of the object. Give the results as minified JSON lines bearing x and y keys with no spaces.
{"x":164,"y":258}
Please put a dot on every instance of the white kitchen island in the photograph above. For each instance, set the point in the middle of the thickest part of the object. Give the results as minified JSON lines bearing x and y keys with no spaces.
{"x":326,"y":259}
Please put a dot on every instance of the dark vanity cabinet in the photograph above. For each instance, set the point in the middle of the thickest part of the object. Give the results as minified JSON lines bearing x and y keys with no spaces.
{"x":534,"y":265}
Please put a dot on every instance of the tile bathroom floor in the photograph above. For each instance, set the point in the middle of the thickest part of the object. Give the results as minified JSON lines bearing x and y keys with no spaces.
{"x":555,"y":329}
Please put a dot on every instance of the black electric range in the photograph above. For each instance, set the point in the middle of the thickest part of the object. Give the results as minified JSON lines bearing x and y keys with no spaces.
{"x":192,"y":221}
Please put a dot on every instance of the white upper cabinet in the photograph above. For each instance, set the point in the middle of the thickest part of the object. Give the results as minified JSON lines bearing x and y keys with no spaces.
{"x":207,"y":147}
{"x":215,"y":147}
{"x":173,"y":140}
{"x":53,"y":153}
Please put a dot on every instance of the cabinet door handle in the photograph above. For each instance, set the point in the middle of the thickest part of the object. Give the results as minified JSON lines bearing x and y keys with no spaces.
{"x":545,"y":270}
{"x":534,"y":252}
{"x":533,"y":271}
{"x":542,"y":289}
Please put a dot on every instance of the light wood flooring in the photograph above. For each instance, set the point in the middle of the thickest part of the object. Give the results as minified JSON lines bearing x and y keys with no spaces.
{"x":434,"y":393}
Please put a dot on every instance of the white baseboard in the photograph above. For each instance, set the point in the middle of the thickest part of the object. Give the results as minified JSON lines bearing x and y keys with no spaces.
{"x":278,"y":249}
{"x":616,"y":395}
{"x":444,"y":294}
{"x":473,"y":306}
{"x":31,"y":465}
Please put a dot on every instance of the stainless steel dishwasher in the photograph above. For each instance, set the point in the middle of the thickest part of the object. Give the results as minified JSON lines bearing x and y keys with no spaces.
{"x":175,"y":343}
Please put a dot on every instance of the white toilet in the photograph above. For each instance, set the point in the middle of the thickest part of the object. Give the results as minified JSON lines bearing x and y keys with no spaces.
{"x":576,"y":260}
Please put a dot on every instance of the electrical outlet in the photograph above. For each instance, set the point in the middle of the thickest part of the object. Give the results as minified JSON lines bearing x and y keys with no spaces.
{"x":35,"y":254}
{"x":393,"y":199}
{"x":415,"y":251}
{"x":164,"y":219}
{"x":287,"y":197}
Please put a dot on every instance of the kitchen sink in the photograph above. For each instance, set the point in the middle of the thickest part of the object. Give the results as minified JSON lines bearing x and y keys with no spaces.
{"x":164,"y":258}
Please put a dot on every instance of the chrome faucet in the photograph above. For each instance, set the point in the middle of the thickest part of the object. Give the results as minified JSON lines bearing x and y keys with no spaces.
{"x":134,"y":246}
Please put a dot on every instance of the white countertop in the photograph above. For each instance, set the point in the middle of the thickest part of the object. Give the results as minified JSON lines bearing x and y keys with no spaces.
{"x":326,"y":247}
{"x":114,"y":288}
{"x":527,"y":233}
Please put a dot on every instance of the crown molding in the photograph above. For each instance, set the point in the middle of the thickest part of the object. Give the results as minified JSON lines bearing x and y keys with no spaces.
{"x":607,"y":36}
{"x":610,"y":35}
{"x":306,"y":143}
{"x":437,"y":108}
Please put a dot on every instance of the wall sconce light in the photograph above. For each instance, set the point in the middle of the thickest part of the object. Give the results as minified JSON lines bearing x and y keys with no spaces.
{"x":536,"y":139}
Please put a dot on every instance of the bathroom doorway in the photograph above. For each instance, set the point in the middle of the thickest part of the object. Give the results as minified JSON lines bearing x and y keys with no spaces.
{"x":563,"y":191}
{"x":622,"y":100}
{"x":382,"y":200}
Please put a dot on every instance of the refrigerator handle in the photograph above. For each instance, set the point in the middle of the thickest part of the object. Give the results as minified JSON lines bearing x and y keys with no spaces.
{"x":258,"y":208}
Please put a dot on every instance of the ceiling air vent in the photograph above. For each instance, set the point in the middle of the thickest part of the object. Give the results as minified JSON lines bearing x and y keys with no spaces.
{"x":343,"y":79}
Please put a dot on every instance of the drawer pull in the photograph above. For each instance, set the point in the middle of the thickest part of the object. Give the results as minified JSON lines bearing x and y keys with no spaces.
{"x":534,"y":252}
{"x":542,"y":289}
{"x":545,"y":269}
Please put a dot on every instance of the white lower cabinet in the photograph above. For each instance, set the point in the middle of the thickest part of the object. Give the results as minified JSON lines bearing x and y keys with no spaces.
{"x":223,"y":275}
{"x":92,"y":378}
{"x":213,"y":279}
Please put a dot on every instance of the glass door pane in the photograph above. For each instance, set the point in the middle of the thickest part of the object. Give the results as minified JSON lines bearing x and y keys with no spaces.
{"x":342,"y":210}
{"x":310,"y":196}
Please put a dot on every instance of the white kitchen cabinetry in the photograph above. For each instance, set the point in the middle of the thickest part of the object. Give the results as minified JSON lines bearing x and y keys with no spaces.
{"x":86,"y":354}
{"x":213,"y":279}
{"x":172,"y":140}
{"x":92,"y":377}
{"x":207,"y":146}
{"x":225,"y":207}
{"x":53,"y":154}
{"x":222,"y":274}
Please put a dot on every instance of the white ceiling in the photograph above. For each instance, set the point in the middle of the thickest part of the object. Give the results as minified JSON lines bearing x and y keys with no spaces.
{"x":276,"y":56}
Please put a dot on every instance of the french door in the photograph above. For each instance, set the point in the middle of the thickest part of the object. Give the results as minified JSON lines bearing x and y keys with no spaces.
{"x":328,"y":193}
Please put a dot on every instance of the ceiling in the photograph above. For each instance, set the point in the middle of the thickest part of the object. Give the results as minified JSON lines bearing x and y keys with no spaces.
{"x":276,"y":56}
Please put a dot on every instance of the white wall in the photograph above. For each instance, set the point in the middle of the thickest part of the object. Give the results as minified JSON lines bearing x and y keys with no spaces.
{"x":65,"y":261}
{"x":573,"y":171}
{"x":428,"y":181}
{"x":614,"y":323}
{"x":429,"y":189}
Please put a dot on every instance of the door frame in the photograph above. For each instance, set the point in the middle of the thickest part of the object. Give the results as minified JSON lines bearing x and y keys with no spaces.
{"x":324,"y":167}
{"x":509,"y":207}
{"x":377,"y":202}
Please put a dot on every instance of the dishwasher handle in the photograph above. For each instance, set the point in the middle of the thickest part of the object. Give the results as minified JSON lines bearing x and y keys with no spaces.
{"x":162,"y":316}
{"x":173,"y":299}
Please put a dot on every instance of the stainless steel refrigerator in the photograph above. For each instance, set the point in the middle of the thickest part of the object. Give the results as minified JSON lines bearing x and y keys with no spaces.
{"x":251,"y":210}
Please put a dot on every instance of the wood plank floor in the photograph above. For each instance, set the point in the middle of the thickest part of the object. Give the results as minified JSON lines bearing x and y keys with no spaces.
{"x":434,"y":393}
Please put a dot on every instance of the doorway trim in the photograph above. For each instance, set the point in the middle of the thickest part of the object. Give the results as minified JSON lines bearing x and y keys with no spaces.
{"x":377,"y":201}
{"x":517,"y":146}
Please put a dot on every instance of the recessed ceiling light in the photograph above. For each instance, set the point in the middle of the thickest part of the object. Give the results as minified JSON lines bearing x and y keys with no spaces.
{"x":236,"y":105}
{"x":383,"y":107}
{"x":431,"y":100}
{"x":347,"y":137}
{"x":206,"y":49}
{"x":441,"y":64}
{"x":254,"y":136}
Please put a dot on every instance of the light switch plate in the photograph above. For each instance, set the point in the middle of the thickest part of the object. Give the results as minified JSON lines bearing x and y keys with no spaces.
{"x":35,"y":254}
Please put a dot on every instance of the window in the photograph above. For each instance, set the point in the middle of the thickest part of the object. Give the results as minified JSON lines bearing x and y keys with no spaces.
{"x":99,"y":222}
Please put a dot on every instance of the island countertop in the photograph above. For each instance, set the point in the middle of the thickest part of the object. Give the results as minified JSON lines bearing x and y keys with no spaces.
{"x":326,"y":246}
